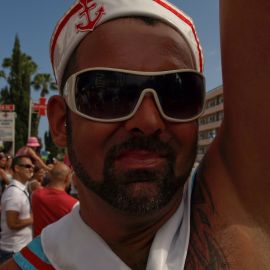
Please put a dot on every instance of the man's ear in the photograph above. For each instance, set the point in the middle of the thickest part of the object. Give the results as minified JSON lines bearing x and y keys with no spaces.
{"x":15,"y":170}
{"x":57,"y":119}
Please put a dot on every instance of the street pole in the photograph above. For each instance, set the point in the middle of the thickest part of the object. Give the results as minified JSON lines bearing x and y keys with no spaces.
{"x":13,"y":135}
{"x":30,"y":118}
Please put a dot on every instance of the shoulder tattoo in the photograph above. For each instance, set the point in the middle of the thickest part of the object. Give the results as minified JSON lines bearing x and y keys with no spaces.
{"x":204,"y":253}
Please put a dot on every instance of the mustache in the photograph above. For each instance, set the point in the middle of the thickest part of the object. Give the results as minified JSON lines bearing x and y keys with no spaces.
{"x":150,"y":143}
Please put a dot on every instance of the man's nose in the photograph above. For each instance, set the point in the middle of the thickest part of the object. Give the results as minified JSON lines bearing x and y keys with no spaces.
{"x":147,"y":119}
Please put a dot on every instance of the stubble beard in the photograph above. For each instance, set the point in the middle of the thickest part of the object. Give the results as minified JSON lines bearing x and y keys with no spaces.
{"x":115,"y":187}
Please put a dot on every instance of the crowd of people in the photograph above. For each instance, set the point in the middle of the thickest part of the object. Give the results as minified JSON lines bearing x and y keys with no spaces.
{"x":33,"y":194}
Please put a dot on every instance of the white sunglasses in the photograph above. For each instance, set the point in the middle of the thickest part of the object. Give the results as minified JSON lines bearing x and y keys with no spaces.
{"x":112,"y":95}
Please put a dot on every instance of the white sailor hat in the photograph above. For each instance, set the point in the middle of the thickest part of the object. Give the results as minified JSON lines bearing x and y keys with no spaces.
{"x":85,"y":15}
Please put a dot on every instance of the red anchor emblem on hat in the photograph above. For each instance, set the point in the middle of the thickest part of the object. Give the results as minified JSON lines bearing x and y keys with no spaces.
{"x":90,"y":23}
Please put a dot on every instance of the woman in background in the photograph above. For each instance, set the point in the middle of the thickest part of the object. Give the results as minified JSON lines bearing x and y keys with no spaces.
{"x":31,"y":150}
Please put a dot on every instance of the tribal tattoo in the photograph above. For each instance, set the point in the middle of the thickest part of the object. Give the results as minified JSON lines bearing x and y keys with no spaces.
{"x":204,"y":253}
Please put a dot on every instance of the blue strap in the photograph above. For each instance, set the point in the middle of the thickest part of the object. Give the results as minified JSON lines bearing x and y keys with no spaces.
{"x":36,"y":248}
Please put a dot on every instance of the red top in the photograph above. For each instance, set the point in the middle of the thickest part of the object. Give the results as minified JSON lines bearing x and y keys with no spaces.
{"x":49,"y":205}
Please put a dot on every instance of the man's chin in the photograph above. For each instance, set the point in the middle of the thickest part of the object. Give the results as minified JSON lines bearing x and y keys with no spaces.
{"x":138,"y":198}
{"x":141,"y":190}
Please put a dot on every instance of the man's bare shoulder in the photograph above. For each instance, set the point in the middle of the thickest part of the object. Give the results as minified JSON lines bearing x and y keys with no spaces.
{"x":223,"y":235}
{"x":10,"y":265}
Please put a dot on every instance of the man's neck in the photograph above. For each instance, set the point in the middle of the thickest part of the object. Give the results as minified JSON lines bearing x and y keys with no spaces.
{"x":19,"y":179}
{"x":57,"y":187}
{"x":130,"y":237}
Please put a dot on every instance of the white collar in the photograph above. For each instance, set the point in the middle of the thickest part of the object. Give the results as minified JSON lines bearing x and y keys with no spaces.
{"x":18,"y":184}
{"x":168,"y":251}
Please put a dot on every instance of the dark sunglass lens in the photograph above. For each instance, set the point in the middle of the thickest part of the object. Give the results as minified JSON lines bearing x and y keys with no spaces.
{"x":27,"y":166}
{"x":106,"y":94}
{"x":181,"y":95}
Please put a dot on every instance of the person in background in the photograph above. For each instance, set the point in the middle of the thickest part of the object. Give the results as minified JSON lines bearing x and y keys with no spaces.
{"x":37,"y":179}
{"x":3,"y":160}
{"x":4,"y":176}
{"x":72,"y":189}
{"x":8,"y":169}
{"x":52,"y":202}
{"x":31,"y":150}
{"x":16,"y":217}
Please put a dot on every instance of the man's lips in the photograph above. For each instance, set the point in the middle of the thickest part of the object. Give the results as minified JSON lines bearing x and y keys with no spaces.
{"x":138,"y":159}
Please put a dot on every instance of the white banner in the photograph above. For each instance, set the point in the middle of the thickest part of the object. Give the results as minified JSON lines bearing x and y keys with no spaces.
{"x":7,"y":126}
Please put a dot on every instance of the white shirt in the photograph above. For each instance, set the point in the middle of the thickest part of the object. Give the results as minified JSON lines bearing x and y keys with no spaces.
{"x":168,"y":250}
{"x":15,"y":198}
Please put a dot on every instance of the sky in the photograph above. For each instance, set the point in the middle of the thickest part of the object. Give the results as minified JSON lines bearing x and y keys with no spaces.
{"x":34,"y":20}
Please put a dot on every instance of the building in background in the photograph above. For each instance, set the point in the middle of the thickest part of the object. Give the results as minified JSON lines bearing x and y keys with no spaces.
{"x":210,"y":121}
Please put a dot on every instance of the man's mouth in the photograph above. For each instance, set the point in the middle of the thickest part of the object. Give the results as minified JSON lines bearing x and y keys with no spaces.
{"x":138,"y":160}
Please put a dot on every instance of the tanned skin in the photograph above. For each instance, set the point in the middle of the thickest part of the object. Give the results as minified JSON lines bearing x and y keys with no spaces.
{"x":204,"y":250}
{"x":230,"y":225}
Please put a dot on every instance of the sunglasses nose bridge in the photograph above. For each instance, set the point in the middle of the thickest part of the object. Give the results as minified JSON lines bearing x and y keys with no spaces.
{"x":146,"y":117}
{"x":148,"y":92}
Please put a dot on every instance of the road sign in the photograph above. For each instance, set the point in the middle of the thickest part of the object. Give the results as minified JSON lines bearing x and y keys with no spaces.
{"x":7,"y":126}
{"x":7,"y":107}
{"x":41,"y":106}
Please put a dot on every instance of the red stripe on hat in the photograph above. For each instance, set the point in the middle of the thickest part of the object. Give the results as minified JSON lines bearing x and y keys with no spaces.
{"x":35,"y":261}
{"x":188,"y":22}
{"x":60,"y":27}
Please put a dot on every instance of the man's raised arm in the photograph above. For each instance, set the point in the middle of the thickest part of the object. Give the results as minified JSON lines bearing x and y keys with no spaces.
{"x":240,"y":155}
{"x":245,"y":40}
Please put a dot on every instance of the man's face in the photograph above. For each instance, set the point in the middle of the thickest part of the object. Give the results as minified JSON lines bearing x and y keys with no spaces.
{"x":141,"y":164}
{"x":24,"y":169}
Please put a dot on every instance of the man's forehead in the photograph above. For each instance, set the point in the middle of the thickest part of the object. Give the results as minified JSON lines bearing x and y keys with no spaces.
{"x":114,"y":39}
{"x":26,"y":159}
{"x":111,"y":45}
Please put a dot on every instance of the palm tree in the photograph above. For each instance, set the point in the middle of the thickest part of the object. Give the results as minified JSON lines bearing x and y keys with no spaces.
{"x":43,"y":82}
{"x":2,"y":74}
{"x":18,"y":71}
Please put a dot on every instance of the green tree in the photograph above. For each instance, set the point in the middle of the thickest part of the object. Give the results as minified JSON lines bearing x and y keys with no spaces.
{"x":2,"y":74}
{"x":20,"y":73}
{"x":21,"y":67}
